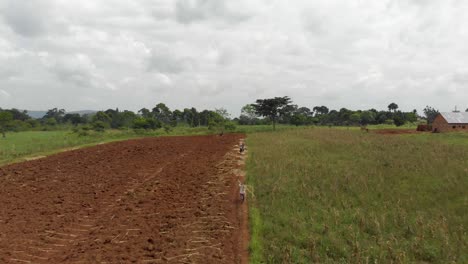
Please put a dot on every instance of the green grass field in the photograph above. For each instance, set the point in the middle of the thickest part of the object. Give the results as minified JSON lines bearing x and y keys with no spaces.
{"x":35,"y":143}
{"x":341,"y":196}
{"x":455,"y":138}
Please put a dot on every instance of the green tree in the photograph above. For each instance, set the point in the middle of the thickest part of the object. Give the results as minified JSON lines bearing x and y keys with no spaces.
{"x":127,"y":118}
{"x":430,"y":114}
{"x":321,"y":110}
{"x":144,"y":112}
{"x":55,"y":113}
{"x":192,"y":117}
{"x":101,"y":116}
{"x":248,"y":115}
{"x":5,"y":119}
{"x":399,"y":119}
{"x":355,"y":118}
{"x":99,"y":126}
{"x":33,"y":123}
{"x":345,"y":115}
{"x":304,"y":111}
{"x":18,"y":125}
{"x":367,"y":117}
{"x":177,"y":116}
{"x":162,"y":113}
{"x":299,"y":119}
{"x":218,"y":121}
{"x":51,"y":121}
{"x":272,"y":108}
{"x":74,"y":119}
{"x":141,"y":123}
{"x":19,"y":115}
{"x":222,"y":112}
{"x":411,"y":116}
{"x":392,"y":107}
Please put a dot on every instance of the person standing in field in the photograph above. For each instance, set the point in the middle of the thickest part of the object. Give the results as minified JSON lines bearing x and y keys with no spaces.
{"x":242,"y":191}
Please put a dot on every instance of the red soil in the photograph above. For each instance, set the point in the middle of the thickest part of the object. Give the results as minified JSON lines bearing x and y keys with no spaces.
{"x":155,"y":200}
{"x":395,"y":131}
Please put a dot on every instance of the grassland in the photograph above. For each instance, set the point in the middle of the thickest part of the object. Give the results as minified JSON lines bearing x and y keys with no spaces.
{"x":341,"y":196}
{"x":36,"y":143}
{"x":454,"y":138}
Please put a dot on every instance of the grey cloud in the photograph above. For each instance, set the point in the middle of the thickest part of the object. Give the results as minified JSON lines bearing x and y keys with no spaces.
{"x":461,"y":77}
{"x":8,"y":72}
{"x":188,"y":11}
{"x":167,"y":62}
{"x":79,"y":70}
{"x":26,"y":18}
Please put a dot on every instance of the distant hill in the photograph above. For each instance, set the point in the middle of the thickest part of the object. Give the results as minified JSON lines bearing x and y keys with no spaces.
{"x":36,"y":114}
{"x":40,"y":114}
{"x":82,"y":112}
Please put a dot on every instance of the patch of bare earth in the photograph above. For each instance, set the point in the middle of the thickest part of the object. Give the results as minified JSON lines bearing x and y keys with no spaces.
{"x":396,"y":131}
{"x":154,"y":200}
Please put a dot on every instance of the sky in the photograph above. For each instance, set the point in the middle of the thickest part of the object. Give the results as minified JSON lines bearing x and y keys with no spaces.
{"x":130,"y":54}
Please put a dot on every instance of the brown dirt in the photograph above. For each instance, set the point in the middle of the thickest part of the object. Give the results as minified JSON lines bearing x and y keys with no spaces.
{"x":395,"y":131}
{"x":156,"y":200}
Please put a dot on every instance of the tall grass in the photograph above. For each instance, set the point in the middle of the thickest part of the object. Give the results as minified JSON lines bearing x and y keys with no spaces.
{"x":337,"y":196}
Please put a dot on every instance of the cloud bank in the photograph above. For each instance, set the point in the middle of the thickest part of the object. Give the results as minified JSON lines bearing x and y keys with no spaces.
{"x":98,"y":54}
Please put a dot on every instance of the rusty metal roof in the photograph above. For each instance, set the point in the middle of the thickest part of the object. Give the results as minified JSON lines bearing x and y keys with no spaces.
{"x":456,"y":118}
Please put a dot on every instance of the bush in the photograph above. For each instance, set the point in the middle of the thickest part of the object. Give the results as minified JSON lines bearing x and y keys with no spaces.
{"x":230,"y":126}
{"x":389,"y":122}
{"x":18,"y":125}
{"x":98,"y":126}
{"x":399,"y":121}
{"x":167,"y":128}
{"x":139,"y":131}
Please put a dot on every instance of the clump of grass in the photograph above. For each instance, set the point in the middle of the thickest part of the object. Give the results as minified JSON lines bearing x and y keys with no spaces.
{"x":338,"y":196}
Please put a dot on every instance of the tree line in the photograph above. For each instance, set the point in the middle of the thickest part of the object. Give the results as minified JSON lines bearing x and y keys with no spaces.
{"x":281,"y":110}
{"x":159,"y":117}
{"x":277,"y":110}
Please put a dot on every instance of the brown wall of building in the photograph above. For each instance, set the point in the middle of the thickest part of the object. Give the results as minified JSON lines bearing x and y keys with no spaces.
{"x":441,"y":125}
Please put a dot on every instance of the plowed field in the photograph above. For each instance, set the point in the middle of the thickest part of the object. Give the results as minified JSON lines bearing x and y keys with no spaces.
{"x":155,"y":200}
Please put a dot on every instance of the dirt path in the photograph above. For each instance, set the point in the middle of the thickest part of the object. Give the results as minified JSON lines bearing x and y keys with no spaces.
{"x":396,"y":131}
{"x":159,"y":200}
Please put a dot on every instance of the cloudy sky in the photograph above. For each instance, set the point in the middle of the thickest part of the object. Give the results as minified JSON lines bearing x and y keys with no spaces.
{"x":358,"y":54}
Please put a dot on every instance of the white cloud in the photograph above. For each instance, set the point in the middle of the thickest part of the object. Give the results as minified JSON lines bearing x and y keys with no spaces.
{"x":130,"y":54}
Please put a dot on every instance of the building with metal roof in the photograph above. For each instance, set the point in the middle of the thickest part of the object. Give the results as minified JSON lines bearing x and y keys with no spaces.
{"x":450,"y":121}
